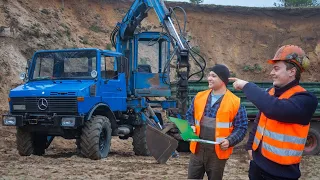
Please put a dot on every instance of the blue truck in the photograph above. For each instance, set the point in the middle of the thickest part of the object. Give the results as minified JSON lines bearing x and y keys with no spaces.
{"x":91,"y":94}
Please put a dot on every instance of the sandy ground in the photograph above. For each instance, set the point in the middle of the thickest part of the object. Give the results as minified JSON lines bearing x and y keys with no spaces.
{"x":62,"y":162}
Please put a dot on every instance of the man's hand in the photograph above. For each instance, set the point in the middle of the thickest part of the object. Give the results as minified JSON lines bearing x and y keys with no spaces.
{"x":193,"y":128}
{"x":224,"y":144}
{"x":250,"y":154}
{"x":238,"y":83}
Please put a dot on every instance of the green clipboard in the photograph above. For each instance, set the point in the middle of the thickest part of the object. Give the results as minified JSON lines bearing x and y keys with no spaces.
{"x":186,"y":131}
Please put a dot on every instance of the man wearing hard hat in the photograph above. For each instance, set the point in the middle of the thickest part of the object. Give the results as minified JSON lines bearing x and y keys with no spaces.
{"x":278,"y":137}
{"x":216,"y":115}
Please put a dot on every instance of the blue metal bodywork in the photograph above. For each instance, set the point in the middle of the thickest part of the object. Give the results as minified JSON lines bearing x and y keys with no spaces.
{"x":128,"y":91}
{"x":110,"y":92}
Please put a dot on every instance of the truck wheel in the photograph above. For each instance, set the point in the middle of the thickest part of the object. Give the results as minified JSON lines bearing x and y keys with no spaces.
{"x":39,"y":144}
{"x":29,"y":143}
{"x":24,"y":142}
{"x":78,"y":141}
{"x":312,"y":146}
{"x":96,"y":138}
{"x":139,"y":143}
{"x":183,"y":146}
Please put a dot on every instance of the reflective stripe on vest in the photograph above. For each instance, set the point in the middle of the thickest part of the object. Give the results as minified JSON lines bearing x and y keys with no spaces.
{"x":224,"y":125}
{"x":226,"y":113}
{"x":218,"y":125}
{"x":282,"y":143}
{"x":281,"y":137}
{"x":197,"y":122}
{"x":279,"y":151}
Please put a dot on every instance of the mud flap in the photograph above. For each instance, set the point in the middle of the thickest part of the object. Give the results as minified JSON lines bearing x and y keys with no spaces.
{"x":160,"y":145}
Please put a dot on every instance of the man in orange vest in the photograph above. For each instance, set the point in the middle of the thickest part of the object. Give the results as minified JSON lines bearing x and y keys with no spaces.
{"x":216,"y":115}
{"x":277,"y":140}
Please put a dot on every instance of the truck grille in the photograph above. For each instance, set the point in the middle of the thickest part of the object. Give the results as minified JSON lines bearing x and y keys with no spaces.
{"x":50,"y":105}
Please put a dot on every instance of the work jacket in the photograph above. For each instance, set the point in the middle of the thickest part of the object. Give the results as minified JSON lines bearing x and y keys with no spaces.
{"x":282,"y":142}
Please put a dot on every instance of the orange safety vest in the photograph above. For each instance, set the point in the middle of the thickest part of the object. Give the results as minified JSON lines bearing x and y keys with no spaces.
{"x":282,"y":143}
{"x":226,"y":113}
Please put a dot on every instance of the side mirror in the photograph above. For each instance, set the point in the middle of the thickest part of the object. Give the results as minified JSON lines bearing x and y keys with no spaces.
{"x":23,"y":76}
{"x":28,"y":64}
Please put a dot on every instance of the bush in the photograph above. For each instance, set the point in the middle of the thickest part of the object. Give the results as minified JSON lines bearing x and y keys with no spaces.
{"x":109,"y":46}
{"x":95,"y":28}
{"x":252,"y":68}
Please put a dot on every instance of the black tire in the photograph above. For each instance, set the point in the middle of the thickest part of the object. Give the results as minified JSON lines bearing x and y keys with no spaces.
{"x":183,"y":146}
{"x":29,"y":143}
{"x":24,"y":142}
{"x":78,"y":141}
{"x":96,"y":138}
{"x":312,"y":146}
{"x":39,"y":144}
{"x":139,"y":143}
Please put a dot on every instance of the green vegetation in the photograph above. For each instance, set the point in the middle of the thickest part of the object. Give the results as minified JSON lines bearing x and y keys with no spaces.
{"x":196,"y":1}
{"x":252,"y":68}
{"x":95,"y":28}
{"x":297,"y":3}
{"x":109,"y":46}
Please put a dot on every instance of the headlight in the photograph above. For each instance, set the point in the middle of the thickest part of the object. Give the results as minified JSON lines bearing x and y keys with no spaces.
{"x":19,"y":107}
{"x":68,"y":121}
{"x":9,"y":120}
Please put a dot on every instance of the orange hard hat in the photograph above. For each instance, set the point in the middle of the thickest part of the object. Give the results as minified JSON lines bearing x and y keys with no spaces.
{"x":293,"y":54}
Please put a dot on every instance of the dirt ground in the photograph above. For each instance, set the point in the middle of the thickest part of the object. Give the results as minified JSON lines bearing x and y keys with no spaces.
{"x":62,"y":162}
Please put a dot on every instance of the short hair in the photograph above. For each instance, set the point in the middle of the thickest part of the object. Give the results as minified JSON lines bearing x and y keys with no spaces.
{"x":290,"y":65}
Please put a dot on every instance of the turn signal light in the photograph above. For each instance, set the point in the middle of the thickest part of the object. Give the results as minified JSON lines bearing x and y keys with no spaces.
{"x":80,"y":98}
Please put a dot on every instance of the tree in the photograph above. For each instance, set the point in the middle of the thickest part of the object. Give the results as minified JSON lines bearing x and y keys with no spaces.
{"x":297,"y":3}
{"x":196,"y":1}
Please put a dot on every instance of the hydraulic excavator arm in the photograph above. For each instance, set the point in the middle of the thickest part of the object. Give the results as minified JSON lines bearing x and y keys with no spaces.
{"x":121,"y":39}
{"x":125,"y":30}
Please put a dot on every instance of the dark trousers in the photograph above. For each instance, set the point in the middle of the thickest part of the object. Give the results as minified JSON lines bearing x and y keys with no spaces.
{"x":256,"y":173}
{"x":206,"y":161}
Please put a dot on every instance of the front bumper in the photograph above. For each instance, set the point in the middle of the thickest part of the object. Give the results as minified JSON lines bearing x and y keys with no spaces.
{"x":42,"y":120}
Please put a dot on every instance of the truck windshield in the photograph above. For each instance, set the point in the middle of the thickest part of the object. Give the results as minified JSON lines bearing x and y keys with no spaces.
{"x":64,"y":65}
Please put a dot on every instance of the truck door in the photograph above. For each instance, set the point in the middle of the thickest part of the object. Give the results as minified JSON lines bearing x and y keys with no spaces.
{"x":112,"y":85}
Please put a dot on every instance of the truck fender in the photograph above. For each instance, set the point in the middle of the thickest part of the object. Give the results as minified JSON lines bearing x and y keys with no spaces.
{"x":104,"y":110}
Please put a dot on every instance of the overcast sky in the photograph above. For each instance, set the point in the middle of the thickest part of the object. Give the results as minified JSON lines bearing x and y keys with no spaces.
{"x":256,"y":3}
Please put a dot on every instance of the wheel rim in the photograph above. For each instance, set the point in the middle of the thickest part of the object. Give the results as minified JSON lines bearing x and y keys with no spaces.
{"x":311,"y":143}
{"x":102,"y":139}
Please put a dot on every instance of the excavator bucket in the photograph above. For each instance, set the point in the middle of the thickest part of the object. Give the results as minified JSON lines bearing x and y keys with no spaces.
{"x":160,"y":145}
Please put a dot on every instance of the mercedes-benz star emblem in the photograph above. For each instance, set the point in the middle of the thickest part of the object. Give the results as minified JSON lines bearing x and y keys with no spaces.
{"x":42,"y":104}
